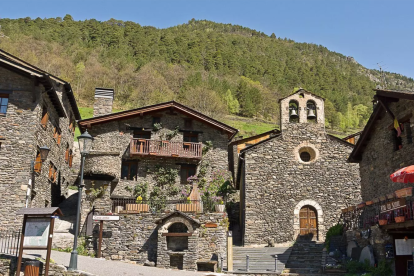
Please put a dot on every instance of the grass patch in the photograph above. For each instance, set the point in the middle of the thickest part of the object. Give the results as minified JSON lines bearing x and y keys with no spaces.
{"x":250,"y":128}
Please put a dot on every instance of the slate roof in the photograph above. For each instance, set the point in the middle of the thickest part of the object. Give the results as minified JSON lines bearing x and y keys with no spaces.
{"x":301,"y":90}
{"x":40,"y":211}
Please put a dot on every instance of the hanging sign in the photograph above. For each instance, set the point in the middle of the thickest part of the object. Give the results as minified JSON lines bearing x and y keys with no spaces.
{"x":105,"y":217}
{"x":392,"y":205}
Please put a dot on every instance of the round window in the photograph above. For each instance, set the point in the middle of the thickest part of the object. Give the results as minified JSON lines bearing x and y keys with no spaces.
{"x":307,"y":154}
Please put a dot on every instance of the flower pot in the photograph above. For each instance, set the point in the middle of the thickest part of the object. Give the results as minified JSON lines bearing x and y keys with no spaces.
{"x":383,"y":198}
{"x":391,"y":196}
{"x":361,"y":205}
{"x":382,"y":222}
{"x":220,"y":208}
{"x":370,"y":202}
{"x":399,"y":219}
{"x":351,"y":208}
{"x":404,"y":192}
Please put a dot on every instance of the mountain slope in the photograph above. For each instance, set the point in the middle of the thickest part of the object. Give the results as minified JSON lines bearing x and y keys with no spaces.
{"x":216,"y":68}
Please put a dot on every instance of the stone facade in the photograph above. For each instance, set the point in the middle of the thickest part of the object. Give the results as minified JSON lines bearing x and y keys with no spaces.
{"x":138,"y":238}
{"x":380,"y":159}
{"x":21,"y":134}
{"x":276,"y":183}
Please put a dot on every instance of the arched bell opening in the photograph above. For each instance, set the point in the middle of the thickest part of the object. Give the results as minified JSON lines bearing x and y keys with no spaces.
{"x":177,"y":241}
{"x":311,"y":112}
{"x":293,"y":111}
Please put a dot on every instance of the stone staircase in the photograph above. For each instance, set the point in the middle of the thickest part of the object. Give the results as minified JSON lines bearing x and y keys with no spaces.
{"x":63,"y":229}
{"x":305,"y":259}
{"x":261,"y":260}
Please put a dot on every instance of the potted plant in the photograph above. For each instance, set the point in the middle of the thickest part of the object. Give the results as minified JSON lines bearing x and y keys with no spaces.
{"x":220,"y":206}
{"x":399,"y":219}
{"x":382,"y":222}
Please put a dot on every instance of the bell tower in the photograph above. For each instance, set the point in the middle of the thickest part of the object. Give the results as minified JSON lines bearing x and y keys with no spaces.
{"x":301,"y":107}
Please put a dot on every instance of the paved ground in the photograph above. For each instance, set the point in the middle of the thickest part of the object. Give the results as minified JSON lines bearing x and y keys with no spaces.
{"x":261,"y":260}
{"x":104,"y":267}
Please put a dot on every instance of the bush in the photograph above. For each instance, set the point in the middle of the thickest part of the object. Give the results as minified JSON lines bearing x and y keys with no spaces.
{"x":335,"y":230}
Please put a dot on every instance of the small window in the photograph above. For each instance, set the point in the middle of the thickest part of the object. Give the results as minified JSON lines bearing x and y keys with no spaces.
{"x":4,"y":101}
{"x":190,"y":137}
{"x":57,"y":135}
{"x":156,"y":120}
{"x":397,"y":139}
{"x":70,"y":158}
{"x":129,"y":170}
{"x":139,"y":134}
{"x":38,"y":163}
{"x":52,"y":172}
{"x":188,"y":123}
{"x":45,"y":117}
{"x":186,"y":172}
{"x":305,"y":156}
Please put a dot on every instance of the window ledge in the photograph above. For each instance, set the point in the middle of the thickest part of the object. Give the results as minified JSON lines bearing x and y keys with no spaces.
{"x":2,"y":114}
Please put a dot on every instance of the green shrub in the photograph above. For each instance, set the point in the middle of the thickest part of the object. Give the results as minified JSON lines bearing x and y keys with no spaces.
{"x":335,"y":230}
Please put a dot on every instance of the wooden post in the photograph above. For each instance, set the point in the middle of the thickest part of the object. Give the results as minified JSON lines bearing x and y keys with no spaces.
{"x":19,"y":259}
{"x":100,"y":239}
{"x":49,"y":245}
{"x":229,"y":251}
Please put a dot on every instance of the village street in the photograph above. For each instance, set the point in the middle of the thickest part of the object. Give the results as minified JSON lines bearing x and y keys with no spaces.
{"x":104,"y":267}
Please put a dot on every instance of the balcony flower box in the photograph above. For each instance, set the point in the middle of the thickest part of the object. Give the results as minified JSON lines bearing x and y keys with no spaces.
{"x":391,"y":196}
{"x":187,"y":207}
{"x":369,"y":202}
{"x":136,"y":208}
{"x":351,"y":208}
{"x":376,"y":200}
{"x":383,"y":198}
{"x":404,"y":192}
{"x":219,"y":208}
{"x":399,"y":219}
{"x":382,"y":222}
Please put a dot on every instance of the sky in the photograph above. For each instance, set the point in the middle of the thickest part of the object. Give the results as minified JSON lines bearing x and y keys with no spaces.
{"x":374,"y":32}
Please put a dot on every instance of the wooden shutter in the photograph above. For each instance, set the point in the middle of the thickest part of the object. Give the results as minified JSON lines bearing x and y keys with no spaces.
{"x":59,"y":139}
{"x":67,"y":154}
{"x":45,"y":117}
{"x":50,"y":171}
{"x":54,"y":174}
{"x":38,"y":163}
{"x":70,"y":158}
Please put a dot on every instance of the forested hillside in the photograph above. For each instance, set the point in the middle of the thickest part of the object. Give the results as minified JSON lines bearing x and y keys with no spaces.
{"x":219,"y":69}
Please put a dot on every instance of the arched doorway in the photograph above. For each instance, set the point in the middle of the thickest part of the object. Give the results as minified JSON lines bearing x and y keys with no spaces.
{"x":308,"y":223}
{"x":316,"y":208}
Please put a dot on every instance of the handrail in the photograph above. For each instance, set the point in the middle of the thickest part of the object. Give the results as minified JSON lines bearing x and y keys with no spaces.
{"x":165,"y":148}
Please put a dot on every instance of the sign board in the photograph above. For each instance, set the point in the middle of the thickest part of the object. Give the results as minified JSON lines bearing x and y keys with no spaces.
{"x":36,"y":232}
{"x":392,"y":205}
{"x":389,"y":251}
{"x":404,"y":247}
{"x":105,"y":217}
{"x":410,"y":268}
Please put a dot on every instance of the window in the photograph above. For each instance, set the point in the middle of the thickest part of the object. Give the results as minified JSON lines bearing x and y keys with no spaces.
{"x":129,"y":170}
{"x":72,"y":127}
{"x":68,"y":156}
{"x":186,"y":172}
{"x":52,"y":172}
{"x":139,"y":134}
{"x":45,"y":117}
{"x":57,"y":134}
{"x":397,"y":140}
{"x":4,"y":100}
{"x":190,"y":137}
{"x":188,"y":123}
{"x":156,"y":120}
{"x":38,"y":163}
{"x":305,"y":156}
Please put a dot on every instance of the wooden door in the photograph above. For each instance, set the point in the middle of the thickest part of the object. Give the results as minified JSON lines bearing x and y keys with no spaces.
{"x":308,"y":223}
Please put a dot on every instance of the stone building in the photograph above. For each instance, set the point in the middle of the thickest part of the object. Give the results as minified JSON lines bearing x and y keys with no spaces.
{"x":294,"y":185}
{"x":143,"y":165}
{"x":36,"y":109}
{"x":387,"y":211}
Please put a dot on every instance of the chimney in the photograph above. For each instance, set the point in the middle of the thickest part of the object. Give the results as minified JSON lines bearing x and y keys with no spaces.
{"x":104,"y":98}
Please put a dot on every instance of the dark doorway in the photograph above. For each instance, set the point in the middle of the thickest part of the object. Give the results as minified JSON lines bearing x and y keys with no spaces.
{"x":176,"y":261}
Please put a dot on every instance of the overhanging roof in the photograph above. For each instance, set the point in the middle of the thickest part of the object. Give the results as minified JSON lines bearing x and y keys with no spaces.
{"x":176,"y":213}
{"x":378,"y":112}
{"x":15,"y":64}
{"x":50,"y":211}
{"x":275,"y":131}
{"x":172,"y":105}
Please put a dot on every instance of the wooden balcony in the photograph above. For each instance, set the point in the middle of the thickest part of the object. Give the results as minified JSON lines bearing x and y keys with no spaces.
{"x":165,"y":148}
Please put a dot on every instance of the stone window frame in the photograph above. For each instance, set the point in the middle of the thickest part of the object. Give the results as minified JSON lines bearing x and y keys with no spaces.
{"x":52,"y":173}
{"x":4,"y":103}
{"x":130,"y":163}
{"x":306,"y":146}
{"x":291,"y":102}
{"x":308,"y":103}
{"x":319,"y":216}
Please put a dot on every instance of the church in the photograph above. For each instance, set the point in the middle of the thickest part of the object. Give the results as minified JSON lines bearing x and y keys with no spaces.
{"x":294,"y":184}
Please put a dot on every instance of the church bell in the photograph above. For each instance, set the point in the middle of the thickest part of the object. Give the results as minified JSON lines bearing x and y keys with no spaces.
{"x":311,"y":114}
{"x":293,"y":114}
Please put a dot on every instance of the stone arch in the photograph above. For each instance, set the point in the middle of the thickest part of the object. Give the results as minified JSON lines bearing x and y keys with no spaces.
{"x":173,"y":220}
{"x":319,"y":214}
{"x":293,"y":108}
{"x":311,"y":104}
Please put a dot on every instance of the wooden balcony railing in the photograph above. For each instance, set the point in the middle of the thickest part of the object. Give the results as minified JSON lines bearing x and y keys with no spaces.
{"x":165,"y":148}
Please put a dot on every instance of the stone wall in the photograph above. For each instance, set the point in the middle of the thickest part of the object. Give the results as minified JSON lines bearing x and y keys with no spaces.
{"x":20,"y":135}
{"x":135,"y":238}
{"x":278,"y":183}
{"x":379,"y":158}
